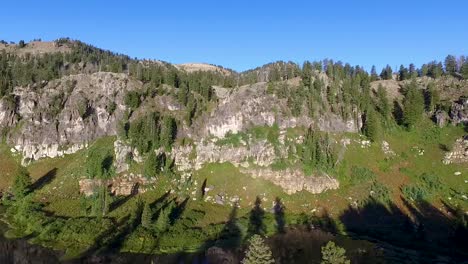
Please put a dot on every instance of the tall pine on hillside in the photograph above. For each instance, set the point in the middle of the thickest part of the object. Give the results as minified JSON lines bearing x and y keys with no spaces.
{"x":258,"y":252}
{"x":413,"y":105}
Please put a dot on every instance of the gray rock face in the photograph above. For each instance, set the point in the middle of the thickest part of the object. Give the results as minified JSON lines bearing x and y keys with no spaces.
{"x":253,"y":158}
{"x":123,"y":153}
{"x":188,"y":158}
{"x":7,"y":113}
{"x":292,"y":181}
{"x":251,"y":105}
{"x":66,"y":114}
{"x":441,"y":118}
{"x":459,"y":111}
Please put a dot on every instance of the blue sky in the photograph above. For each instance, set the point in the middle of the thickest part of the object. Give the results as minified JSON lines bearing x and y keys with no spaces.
{"x":245,"y":34}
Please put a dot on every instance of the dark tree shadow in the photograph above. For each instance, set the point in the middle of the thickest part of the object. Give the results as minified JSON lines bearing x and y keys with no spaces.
{"x":177,"y":211}
{"x":398,"y":112}
{"x":231,"y":236}
{"x":122,"y":200}
{"x":278,"y":210}
{"x":203,"y":188}
{"x":44,"y":180}
{"x":107,"y":162}
{"x":111,"y":240}
{"x":256,"y":225}
{"x":444,"y":147}
{"x":424,"y":233}
{"x":160,"y":199}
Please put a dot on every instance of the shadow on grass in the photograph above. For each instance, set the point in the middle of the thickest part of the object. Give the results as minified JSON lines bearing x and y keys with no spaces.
{"x":427,"y":235}
{"x":122,"y":200}
{"x":44,"y":180}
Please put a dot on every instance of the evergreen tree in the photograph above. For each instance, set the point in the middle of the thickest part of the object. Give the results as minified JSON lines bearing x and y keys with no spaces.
{"x":307,"y":74}
{"x":101,"y":200}
{"x":435,"y":70}
{"x":387,"y":73}
{"x":373,"y":127}
{"x":383,"y":105}
{"x":413,"y":73}
{"x":162,"y":222}
{"x":99,"y":164}
{"x":403,"y":73}
{"x":424,"y":70}
{"x":150,"y":167}
{"x":374,"y":75}
{"x":413,"y":105}
{"x":450,"y":64}
{"x":146,"y":216}
{"x":168,"y":132}
{"x":431,"y":97}
{"x":464,"y":70}
{"x":333,"y":254}
{"x":258,"y":252}
{"x":22,"y":183}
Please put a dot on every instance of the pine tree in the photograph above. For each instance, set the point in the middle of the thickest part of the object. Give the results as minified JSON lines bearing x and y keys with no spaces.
{"x":100,"y":206}
{"x":403,"y":72}
{"x":146,"y":216}
{"x":383,"y":105}
{"x":387,"y":73}
{"x":333,"y":254}
{"x":163,"y":219}
{"x":168,"y":132}
{"x":374,"y":75}
{"x":431,"y":97}
{"x":424,"y":70}
{"x":450,"y":64}
{"x":150,"y":167}
{"x":258,"y":252}
{"x":464,"y":70}
{"x":21,"y":183}
{"x":412,"y":71}
{"x":413,"y":105}
{"x":373,"y":127}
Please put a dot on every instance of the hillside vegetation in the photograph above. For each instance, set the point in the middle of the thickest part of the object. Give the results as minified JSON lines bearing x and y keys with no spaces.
{"x":103,"y":152}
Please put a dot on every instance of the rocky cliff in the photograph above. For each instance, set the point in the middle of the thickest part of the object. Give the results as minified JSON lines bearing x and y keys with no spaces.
{"x":251,"y":105}
{"x":62,"y":116}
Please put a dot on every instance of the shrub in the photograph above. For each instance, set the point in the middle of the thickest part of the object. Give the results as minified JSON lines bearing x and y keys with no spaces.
{"x":360,"y":175}
{"x":380,"y":192}
{"x":430,"y":183}
{"x":414,"y":192}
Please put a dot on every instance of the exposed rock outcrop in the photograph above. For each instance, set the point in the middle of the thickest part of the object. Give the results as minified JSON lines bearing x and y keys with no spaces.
{"x":459,"y":111}
{"x":251,"y":105}
{"x":292,"y":181}
{"x":441,"y":118}
{"x":459,"y":153}
{"x":260,"y":153}
{"x":66,"y":114}
{"x":124,"y":153}
{"x":253,"y":158}
{"x":128,"y":184}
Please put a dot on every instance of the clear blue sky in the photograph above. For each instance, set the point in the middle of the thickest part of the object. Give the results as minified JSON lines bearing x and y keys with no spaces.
{"x":245,"y":34}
